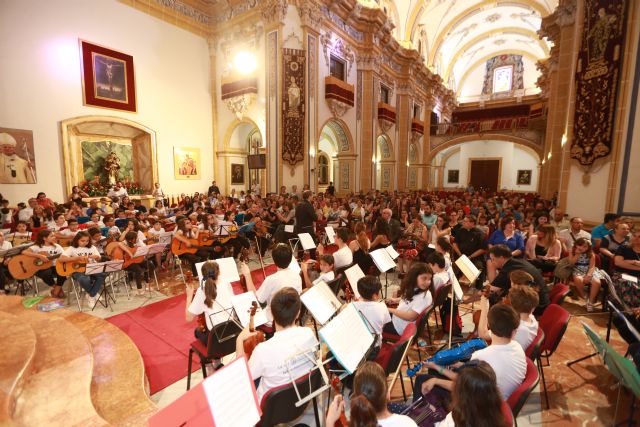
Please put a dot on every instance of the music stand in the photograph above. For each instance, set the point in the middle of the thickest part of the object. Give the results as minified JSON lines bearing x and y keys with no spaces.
{"x":471,"y":273}
{"x":156,"y":248}
{"x":104,"y":268}
{"x":223,"y":336}
{"x":612,"y":308}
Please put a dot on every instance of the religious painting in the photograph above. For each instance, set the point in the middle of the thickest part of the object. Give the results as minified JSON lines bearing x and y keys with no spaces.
{"x":293,"y":105}
{"x":186,"y":162}
{"x":110,"y":161}
{"x":108,"y":79}
{"x":453,"y":176}
{"x":237,"y":174}
{"x":597,"y":78}
{"x":524,"y":177}
{"x":17,"y":157}
{"x":503,"y":74}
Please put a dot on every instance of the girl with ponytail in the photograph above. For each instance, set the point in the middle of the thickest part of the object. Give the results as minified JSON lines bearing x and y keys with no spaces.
{"x":368,"y":401}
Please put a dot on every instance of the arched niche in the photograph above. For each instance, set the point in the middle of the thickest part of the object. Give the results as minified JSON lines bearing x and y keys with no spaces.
{"x":242,"y":139}
{"x":335,"y":143}
{"x":385,"y":164}
{"x":86,"y":139}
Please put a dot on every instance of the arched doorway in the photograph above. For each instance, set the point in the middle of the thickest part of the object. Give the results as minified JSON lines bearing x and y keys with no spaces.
{"x":244,"y":158}
{"x":333,"y":160}
{"x":385,"y":164}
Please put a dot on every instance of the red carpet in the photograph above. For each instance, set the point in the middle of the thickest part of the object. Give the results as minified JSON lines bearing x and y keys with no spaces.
{"x":163,"y":337}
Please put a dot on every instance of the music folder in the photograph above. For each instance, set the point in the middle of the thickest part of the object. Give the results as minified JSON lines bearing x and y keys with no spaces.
{"x":348,"y":337}
{"x":227,"y":398}
{"x":469,"y":270}
{"x":354,"y":274}
{"x":382,"y":259}
{"x":321,"y":302}
{"x":306,"y":241}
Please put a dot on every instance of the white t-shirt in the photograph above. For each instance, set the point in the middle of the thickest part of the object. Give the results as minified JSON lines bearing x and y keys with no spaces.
{"x":439,"y":280}
{"x":153,"y":232}
{"x":376,"y":313}
{"x":509,"y":363}
{"x":447,"y":422}
{"x":83,"y":252}
{"x":56,"y":249}
{"x":68,"y":233}
{"x":527,"y":332}
{"x":418,"y":304}
{"x":5,"y":246}
{"x":272,"y":284}
{"x":217,"y":313}
{"x":325,"y":277}
{"x":396,"y":420}
{"x":25,"y":214}
{"x":342,"y":257}
{"x":271,"y":358}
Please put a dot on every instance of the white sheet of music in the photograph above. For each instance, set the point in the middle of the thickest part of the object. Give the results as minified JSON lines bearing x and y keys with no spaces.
{"x":165,"y":238}
{"x":306,"y":241}
{"x":321,"y":302}
{"x":223,"y":228}
{"x":469,"y":270}
{"x":156,"y":248}
{"x":348,"y":337}
{"x":228,"y":269}
{"x":629,"y":278}
{"x":392,"y":252}
{"x":331,"y":234}
{"x":294,"y":266}
{"x":141,"y":251}
{"x":231,"y":395}
{"x":242,"y":305}
{"x":457,"y":289}
{"x":354,"y":274}
{"x":382,"y":259}
{"x":288,"y":228}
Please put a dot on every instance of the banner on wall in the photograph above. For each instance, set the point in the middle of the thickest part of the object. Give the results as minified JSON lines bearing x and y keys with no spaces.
{"x":293,"y":106}
{"x":597,"y":78}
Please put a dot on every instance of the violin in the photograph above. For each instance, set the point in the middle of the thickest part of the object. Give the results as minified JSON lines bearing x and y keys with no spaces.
{"x":200,"y":319}
{"x":451,"y":355}
{"x":342,"y":421}
{"x":256,"y":337}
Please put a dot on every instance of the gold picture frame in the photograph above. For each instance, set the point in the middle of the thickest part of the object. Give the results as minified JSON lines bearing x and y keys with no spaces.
{"x":186,"y":163}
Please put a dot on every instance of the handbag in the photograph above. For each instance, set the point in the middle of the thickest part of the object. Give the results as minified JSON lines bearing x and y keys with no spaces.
{"x":564,"y":269}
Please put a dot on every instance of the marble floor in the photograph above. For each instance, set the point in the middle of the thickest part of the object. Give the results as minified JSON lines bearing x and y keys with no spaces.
{"x":583,"y":394}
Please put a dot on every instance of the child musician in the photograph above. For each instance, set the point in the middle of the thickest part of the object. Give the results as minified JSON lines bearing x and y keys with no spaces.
{"x":83,"y":251}
{"x":184,"y":232}
{"x":285,"y":356}
{"x":45,"y":246}
{"x":128,"y":246}
{"x":154,"y":234}
{"x":415,"y":297}
{"x":21,"y":235}
{"x":372,"y":308}
{"x":326,"y":271}
{"x":4,"y":246}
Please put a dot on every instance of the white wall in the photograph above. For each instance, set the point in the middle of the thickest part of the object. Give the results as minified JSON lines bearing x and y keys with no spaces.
{"x":514,"y":158}
{"x":40,"y":82}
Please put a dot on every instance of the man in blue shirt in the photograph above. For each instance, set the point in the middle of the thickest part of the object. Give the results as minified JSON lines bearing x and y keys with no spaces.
{"x":604,"y":229}
{"x":428,"y":217}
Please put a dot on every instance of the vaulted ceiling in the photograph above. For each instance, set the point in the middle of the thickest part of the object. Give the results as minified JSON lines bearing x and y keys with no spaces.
{"x":457,"y":36}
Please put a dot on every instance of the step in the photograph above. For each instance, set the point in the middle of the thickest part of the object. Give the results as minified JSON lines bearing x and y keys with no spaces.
{"x":118,"y":383}
{"x":15,"y":363}
{"x":58,"y":389}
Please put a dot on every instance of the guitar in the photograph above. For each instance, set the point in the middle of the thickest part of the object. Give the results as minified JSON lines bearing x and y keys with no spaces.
{"x":67,"y":268}
{"x":257,"y":337}
{"x":23,"y":267}
{"x":178,"y":247}
{"x":120,"y":254}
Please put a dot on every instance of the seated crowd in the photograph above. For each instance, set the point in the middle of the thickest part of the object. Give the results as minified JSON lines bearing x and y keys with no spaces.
{"x":516,"y":240}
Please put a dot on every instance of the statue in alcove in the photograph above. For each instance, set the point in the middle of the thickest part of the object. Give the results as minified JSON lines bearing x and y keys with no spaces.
{"x":112,"y":166}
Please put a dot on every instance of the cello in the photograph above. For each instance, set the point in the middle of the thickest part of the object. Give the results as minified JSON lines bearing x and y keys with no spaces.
{"x":256,"y":337}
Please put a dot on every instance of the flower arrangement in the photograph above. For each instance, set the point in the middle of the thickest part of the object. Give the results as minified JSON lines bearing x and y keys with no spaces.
{"x":96,"y":188}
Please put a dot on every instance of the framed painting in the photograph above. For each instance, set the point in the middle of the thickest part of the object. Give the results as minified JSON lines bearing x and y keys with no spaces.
{"x":453,"y":176}
{"x":17,"y":157}
{"x":186,"y":162}
{"x":524,"y":177}
{"x":107,"y":78}
{"x":237,"y":174}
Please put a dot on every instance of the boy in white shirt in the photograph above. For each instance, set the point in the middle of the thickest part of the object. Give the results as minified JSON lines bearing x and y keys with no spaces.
{"x":440,"y":274}
{"x":70,"y":231}
{"x":282,"y":278}
{"x":372,"y":308}
{"x":343,"y":256}
{"x":289,"y":354}
{"x":524,"y":299}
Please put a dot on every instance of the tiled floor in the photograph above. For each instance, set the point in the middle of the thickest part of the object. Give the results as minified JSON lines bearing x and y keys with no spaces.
{"x":584,"y":394}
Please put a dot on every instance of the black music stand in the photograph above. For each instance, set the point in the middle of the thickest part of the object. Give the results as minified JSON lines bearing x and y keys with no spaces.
{"x":104,"y":268}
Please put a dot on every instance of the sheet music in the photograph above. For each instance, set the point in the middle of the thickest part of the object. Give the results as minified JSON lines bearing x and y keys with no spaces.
{"x":321,"y":302}
{"x":331,"y":234}
{"x":232,"y":395}
{"x":288,"y":228}
{"x":348,"y":337}
{"x":141,"y":251}
{"x":392,"y":252}
{"x":242,"y":304}
{"x":228,"y":270}
{"x":354,"y":274}
{"x":294,"y":266}
{"x":156,"y":248}
{"x":223,"y":228}
{"x":469,"y":270}
{"x":382,"y":259}
{"x":629,"y":278}
{"x":457,"y":289}
{"x":306,"y":241}
{"x":165,"y":238}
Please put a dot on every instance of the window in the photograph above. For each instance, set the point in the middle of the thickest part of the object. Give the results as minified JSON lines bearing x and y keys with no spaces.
{"x":336,"y":68}
{"x":323,"y":169}
{"x":416,"y":111}
{"x":502,"y":79}
{"x":384,"y":94}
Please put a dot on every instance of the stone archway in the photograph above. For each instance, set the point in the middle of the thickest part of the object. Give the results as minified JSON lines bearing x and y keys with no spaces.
{"x":528,"y":145}
{"x":241,"y":139}
{"x":385,"y":163}
{"x":334,"y":142}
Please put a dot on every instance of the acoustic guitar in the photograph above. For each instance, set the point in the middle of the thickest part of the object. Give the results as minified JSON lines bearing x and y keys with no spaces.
{"x":22,"y":267}
{"x":178,"y":247}
{"x":67,"y":268}
{"x":120,"y":254}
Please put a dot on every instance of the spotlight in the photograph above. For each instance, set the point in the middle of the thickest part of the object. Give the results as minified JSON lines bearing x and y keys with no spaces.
{"x":245,"y":62}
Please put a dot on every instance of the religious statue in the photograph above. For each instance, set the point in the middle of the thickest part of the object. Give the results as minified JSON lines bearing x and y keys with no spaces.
{"x":112,"y":166}
{"x":599,"y":36}
{"x":294,"y":95}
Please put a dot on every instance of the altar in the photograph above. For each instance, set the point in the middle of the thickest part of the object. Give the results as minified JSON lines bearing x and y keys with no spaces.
{"x":147,"y":201}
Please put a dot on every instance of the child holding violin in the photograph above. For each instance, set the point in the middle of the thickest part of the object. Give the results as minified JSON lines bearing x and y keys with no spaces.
{"x":415,"y":297}
{"x":44,"y":248}
{"x":82,"y":251}
{"x":325,"y":263}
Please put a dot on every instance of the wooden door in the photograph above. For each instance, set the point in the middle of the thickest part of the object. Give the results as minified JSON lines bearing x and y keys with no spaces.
{"x":484,"y":174}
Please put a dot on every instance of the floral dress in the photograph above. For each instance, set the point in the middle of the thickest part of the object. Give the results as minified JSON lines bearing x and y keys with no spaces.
{"x":581,"y":267}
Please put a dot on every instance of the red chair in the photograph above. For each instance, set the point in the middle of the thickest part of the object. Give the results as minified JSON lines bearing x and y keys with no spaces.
{"x":279,"y":403}
{"x":506,"y":412}
{"x":533,"y":351}
{"x":520,"y":395}
{"x":558,"y":293}
{"x":554,"y":322}
{"x":390,"y":355}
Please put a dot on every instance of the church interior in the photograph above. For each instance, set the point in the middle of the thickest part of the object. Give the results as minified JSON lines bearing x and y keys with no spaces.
{"x":430,"y":202}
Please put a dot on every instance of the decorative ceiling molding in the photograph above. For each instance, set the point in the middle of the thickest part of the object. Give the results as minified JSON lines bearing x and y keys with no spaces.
{"x":274,"y":10}
{"x":186,"y":10}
